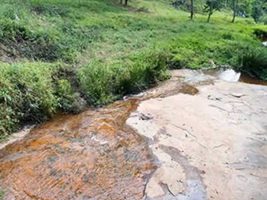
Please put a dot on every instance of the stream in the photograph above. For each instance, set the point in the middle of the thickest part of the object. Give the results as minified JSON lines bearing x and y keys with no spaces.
{"x":193,"y":137}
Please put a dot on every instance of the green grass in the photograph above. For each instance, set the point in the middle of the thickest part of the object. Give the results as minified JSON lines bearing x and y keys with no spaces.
{"x":57,"y":52}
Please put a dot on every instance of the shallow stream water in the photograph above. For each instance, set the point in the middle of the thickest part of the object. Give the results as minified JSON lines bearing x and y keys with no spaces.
{"x":92,"y":155}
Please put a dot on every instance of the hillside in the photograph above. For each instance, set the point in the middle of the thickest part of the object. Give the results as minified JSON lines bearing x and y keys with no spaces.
{"x":58,"y":55}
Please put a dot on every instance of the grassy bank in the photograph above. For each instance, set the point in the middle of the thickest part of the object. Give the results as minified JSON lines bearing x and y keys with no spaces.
{"x":58,"y":54}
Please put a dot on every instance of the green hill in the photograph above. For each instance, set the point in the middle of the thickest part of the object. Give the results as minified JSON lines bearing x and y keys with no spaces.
{"x":57,"y":53}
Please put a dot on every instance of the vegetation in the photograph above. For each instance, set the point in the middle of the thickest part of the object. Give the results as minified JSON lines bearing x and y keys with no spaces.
{"x":57,"y":54}
{"x":211,"y":6}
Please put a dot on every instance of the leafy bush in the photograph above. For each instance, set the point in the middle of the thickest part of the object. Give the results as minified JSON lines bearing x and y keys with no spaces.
{"x":144,"y":70}
{"x":102,"y":83}
{"x":264,"y":19}
{"x":260,"y":33}
{"x":253,"y":61}
{"x":31,"y":92}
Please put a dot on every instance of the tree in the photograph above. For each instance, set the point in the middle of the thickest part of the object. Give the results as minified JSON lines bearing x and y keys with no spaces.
{"x":211,"y":6}
{"x":187,"y":5}
{"x":125,"y":2}
{"x":191,"y":9}
{"x":235,"y":9}
{"x":257,"y":10}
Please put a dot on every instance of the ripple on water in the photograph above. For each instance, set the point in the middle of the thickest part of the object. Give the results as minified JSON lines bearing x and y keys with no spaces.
{"x":92,"y":154}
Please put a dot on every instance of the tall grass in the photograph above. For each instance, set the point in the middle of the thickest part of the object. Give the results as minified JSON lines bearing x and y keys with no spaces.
{"x":55,"y":53}
{"x":103,"y":84}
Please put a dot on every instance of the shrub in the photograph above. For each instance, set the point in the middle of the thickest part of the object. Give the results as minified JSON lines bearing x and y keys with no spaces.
{"x":144,"y":70}
{"x":102,"y":83}
{"x":253,"y":61}
{"x":264,"y":19}
{"x":32,"y":92}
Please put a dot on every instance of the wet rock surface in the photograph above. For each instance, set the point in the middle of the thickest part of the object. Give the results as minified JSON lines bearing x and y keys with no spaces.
{"x":211,"y":145}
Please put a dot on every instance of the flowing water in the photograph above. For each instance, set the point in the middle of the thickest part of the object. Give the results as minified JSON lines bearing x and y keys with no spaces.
{"x":89,"y":155}
{"x":93,"y":155}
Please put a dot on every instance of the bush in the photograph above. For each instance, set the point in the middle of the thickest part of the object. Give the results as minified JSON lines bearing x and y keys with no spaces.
{"x":31,"y":92}
{"x":253,"y":61}
{"x":210,"y":48}
{"x":264,"y":19}
{"x":102,"y":83}
{"x":144,"y":69}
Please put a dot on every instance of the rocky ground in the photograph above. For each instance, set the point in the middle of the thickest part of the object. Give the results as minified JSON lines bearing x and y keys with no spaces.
{"x":194,"y":137}
{"x":209,"y":145}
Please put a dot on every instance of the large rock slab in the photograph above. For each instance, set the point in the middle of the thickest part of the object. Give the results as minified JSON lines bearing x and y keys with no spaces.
{"x":211,"y":145}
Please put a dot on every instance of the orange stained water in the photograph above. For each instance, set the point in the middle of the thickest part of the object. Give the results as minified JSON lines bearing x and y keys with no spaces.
{"x":92,"y":155}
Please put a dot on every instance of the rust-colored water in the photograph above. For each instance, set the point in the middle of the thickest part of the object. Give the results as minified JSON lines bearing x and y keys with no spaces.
{"x":251,"y":80}
{"x":92,"y":155}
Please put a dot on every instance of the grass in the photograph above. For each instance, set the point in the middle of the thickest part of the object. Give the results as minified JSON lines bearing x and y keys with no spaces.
{"x":57,"y":53}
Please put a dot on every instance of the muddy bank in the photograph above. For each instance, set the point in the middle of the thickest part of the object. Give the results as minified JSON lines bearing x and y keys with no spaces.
{"x":211,"y":145}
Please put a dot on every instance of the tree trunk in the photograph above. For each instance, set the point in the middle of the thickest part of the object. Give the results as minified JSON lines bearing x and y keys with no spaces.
{"x":126,"y":2}
{"x":233,"y":20}
{"x":210,"y":13}
{"x":235,"y":2}
{"x":192,"y":10}
{"x":121,"y":1}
